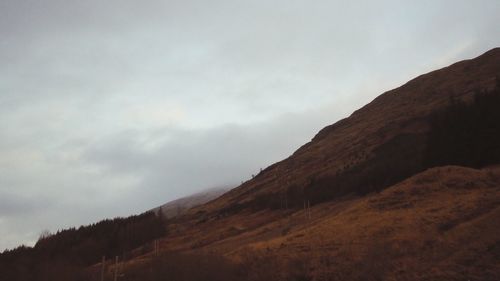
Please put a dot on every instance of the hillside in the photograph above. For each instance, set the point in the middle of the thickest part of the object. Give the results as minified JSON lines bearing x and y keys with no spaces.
{"x":440,"y":224}
{"x":338,"y":172}
{"x":377,"y":146}
{"x":380,"y":195}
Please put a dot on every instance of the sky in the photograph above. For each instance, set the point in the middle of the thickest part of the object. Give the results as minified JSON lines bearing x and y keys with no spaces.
{"x":110,"y":108}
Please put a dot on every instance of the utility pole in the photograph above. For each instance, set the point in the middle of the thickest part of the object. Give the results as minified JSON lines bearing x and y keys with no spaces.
{"x":103,"y":264}
{"x":156,"y":245}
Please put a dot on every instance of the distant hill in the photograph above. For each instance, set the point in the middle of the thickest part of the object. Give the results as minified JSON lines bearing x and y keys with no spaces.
{"x":180,"y":206}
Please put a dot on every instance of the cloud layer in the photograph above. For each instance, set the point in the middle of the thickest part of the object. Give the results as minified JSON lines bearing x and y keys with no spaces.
{"x":110,"y":108}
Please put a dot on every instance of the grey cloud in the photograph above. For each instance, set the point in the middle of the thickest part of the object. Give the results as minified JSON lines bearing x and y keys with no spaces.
{"x":191,"y":160}
{"x":112,"y":107}
{"x":14,"y":205}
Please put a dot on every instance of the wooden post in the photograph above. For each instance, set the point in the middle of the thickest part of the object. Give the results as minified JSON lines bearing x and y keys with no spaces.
{"x":156,"y":247}
{"x":103,"y":264}
{"x":116,"y":269}
{"x":309,"y":209}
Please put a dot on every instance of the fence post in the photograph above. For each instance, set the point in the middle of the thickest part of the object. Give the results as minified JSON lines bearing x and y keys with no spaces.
{"x":103,"y":264}
{"x":305,"y":211}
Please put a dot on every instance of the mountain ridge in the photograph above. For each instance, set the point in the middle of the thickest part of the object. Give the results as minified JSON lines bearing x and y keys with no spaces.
{"x":403,"y":110}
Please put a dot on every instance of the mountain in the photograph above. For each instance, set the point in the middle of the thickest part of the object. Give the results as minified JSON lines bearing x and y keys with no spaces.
{"x":406,"y":188}
{"x":379,"y":208}
{"x":180,"y":206}
{"x":377,"y":146}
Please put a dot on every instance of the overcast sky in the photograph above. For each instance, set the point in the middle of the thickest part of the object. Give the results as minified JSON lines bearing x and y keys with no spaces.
{"x":109,"y":108}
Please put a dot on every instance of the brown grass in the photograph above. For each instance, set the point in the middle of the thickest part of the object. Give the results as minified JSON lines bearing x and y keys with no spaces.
{"x":440,"y":224}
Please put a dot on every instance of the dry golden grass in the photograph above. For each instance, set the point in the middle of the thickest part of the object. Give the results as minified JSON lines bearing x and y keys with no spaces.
{"x":442,"y":224}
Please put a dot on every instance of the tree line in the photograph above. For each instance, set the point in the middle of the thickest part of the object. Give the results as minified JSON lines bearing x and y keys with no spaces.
{"x":466,"y":133}
{"x":73,"y":249}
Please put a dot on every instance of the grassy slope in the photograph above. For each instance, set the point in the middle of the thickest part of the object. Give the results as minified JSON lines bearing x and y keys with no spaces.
{"x":439,"y":224}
